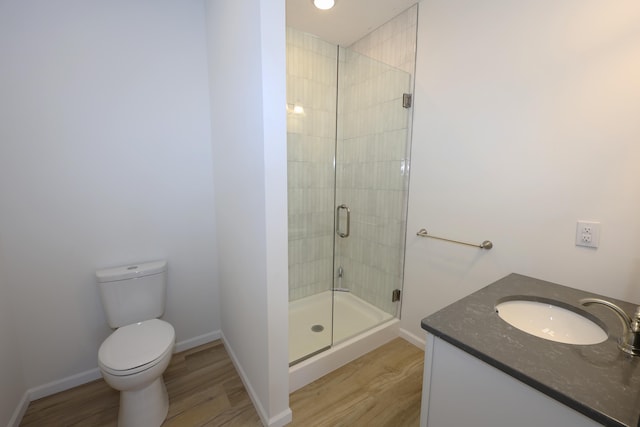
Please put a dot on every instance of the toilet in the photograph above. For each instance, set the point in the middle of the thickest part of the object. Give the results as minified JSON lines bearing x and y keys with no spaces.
{"x":133,"y":358}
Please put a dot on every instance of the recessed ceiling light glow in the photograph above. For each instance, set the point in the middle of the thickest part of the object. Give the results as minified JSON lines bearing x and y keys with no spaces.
{"x":324,"y":4}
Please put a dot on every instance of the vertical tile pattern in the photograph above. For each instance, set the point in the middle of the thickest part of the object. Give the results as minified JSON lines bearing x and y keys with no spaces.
{"x":372,"y":158}
{"x":394,"y":43}
{"x":312,"y":85}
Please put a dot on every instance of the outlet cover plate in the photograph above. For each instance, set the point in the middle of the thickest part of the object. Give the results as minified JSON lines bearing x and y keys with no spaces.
{"x":588,"y":234}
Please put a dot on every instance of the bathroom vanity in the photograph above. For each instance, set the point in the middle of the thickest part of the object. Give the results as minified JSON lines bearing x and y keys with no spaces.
{"x":481,"y":371}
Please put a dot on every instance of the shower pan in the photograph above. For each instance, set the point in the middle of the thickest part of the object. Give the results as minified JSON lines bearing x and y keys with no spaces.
{"x":348,"y":139}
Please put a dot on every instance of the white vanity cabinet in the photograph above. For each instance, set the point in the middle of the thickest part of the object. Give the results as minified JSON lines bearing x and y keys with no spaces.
{"x":460,"y":390}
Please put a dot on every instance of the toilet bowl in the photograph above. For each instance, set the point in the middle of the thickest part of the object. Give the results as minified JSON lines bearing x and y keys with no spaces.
{"x":132,"y":360}
{"x":134,"y":357}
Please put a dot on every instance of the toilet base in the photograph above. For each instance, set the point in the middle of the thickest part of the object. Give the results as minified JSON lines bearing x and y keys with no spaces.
{"x":146,"y":407}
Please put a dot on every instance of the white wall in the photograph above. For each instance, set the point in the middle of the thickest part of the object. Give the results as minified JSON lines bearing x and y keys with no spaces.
{"x":12,"y":387}
{"x":105,"y":159}
{"x":247,"y":81}
{"x":526,"y":120}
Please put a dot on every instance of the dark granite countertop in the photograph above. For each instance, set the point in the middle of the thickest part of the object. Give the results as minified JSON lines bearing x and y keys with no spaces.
{"x":599,"y":381}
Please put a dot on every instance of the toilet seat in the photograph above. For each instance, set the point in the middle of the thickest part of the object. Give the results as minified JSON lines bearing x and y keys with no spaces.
{"x":137,"y":347}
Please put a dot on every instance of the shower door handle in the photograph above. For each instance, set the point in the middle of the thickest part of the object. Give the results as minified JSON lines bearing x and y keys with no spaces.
{"x":338,"y":231}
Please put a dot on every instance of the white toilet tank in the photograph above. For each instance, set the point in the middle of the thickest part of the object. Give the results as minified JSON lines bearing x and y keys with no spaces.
{"x":133,"y":293}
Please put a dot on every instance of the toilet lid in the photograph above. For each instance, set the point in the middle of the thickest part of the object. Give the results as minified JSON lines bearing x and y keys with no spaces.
{"x":136,"y":345}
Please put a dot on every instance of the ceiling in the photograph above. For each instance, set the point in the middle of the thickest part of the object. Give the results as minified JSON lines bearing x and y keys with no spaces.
{"x":347,"y":22}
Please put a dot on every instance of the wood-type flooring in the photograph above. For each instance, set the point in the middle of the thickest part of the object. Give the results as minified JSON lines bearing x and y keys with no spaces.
{"x":381,"y":388}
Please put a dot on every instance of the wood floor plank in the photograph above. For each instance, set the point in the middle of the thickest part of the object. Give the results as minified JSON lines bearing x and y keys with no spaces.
{"x":243,"y":415}
{"x":200,"y":413}
{"x":202,"y":384}
{"x":381,"y":388}
{"x":56,"y":408}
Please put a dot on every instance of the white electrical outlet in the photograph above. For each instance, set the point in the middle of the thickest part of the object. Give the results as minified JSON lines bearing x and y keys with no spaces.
{"x":588,"y":234}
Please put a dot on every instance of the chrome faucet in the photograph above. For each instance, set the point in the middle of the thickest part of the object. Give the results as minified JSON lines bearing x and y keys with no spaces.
{"x":629,"y":342}
{"x":340,"y":288}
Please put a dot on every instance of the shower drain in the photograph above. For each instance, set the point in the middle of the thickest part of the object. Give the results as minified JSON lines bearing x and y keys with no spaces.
{"x":317,"y":328}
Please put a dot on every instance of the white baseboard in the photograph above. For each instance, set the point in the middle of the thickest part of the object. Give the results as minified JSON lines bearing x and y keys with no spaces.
{"x":196,"y":341}
{"x":247,"y":385}
{"x":282,"y":419}
{"x":93,"y":374}
{"x":20,"y":410}
{"x":413,"y":339}
{"x":279,"y":420}
{"x":72,"y":381}
{"x":63,"y":384}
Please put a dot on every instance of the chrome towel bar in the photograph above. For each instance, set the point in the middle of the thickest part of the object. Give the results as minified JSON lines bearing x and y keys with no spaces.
{"x":484,"y":245}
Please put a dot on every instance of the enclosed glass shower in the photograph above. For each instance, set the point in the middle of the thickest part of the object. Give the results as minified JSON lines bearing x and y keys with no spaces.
{"x":348,"y":139}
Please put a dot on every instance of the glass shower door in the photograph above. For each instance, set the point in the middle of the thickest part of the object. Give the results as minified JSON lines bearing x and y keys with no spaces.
{"x":311,"y":141}
{"x":371,"y":192}
{"x":348,"y":136}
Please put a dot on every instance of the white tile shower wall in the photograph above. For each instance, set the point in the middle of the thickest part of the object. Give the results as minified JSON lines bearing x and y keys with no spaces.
{"x":393,"y":43}
{"x":311,"y":84}
{"x":372,"y":156}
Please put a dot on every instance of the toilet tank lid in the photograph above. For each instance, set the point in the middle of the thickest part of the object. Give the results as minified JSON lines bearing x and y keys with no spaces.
{"x":131,"y":271}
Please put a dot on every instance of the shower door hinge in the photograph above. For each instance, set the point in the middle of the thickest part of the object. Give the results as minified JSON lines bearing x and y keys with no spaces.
{"x":395,"y":295}
{"x":406,"y":100}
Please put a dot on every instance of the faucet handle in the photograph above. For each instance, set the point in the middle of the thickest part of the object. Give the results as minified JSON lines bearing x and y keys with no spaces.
{"x":635,"y":321}
{"x":629,"y":341}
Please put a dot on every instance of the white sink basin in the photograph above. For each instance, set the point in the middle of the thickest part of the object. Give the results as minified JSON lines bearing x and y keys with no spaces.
{"x":550,"y":322}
